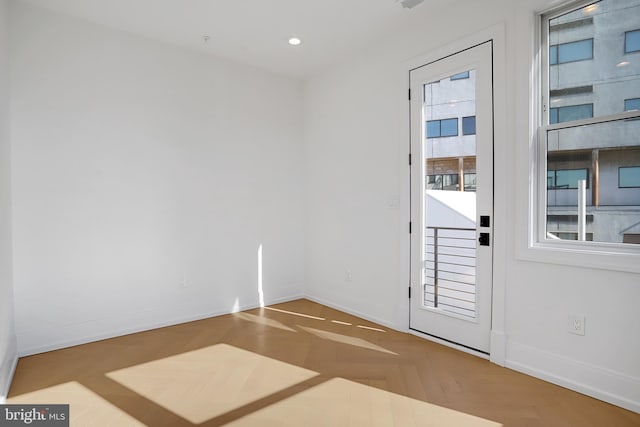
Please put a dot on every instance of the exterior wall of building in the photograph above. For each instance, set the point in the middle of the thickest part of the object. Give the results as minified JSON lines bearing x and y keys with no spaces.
{"x":452,"y":97}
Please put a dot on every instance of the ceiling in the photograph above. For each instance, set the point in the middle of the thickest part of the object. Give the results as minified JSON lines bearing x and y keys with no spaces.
{"x":254,"y":32}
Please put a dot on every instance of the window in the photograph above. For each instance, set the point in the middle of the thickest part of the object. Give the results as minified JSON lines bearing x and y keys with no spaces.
{"x":569,"y":113}
{"x":565,"y":179}
{"x":442,"y":128}
{"x":571,"y":52}
{"x":632,"y":104}
{"x":469,"y":182}
{"x":591,"y":140}
{"x":629,"y":177}
{"x":632,"y":41}
{"x":442,"y":182}
{"x":631,"y":238}
{"x":469,"y":125}
{"x":460,"y":76}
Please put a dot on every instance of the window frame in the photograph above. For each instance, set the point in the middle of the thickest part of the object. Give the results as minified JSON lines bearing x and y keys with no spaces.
{"x":614,"y":256}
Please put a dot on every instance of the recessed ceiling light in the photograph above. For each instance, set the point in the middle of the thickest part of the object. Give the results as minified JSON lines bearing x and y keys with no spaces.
{"x":590,"y":9}
{"x":294,"y":41}
{"x":622,"y":64}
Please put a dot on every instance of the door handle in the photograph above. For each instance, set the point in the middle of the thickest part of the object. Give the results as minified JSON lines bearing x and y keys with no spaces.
{"x":484,"y":239}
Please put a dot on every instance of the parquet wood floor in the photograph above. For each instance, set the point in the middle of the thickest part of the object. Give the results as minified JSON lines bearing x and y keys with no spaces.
{"x":294,"y":364}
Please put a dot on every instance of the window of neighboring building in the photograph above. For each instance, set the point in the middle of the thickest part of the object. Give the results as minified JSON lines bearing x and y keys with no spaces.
{"x":566,"y":179}
{"x":631,"y":238}
{"x":629,"y":177}
{"x":460,"y":76}
{"x":570,"y":112}
{"x":442,"y":182}
{"x":469,"y":125}
{"x":632,"y":41}
{"x":442,"y":128}
{"x":632,"y":104}
{"x":571,"y":52}
{"x":469,"y":182}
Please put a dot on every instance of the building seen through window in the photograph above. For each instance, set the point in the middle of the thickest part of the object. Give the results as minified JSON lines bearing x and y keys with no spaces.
{"x":592,"y":77}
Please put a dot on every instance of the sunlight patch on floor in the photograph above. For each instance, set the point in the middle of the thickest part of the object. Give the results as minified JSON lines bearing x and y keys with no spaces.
{"x":205,"y":383}
{"x":370,"y":328}
{"x":339,"y":402}
{"x":340,"y":322}
{"x":263,"y":321}
{"x":346,"y":339}
{"x":85,"y":407}
{"x":308,"y":316}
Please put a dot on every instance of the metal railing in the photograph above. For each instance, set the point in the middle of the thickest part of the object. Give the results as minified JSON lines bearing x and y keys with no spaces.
{"x":450,"y":270}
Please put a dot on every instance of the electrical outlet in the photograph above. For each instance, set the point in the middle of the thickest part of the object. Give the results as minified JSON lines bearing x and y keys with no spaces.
{"x":576,"y":324}
{"x":348,"y":275}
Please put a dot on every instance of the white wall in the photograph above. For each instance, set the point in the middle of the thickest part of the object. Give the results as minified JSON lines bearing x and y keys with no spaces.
{"x":355,"y":131}
{"x":8,"y":355}
{"x":137,"y":166}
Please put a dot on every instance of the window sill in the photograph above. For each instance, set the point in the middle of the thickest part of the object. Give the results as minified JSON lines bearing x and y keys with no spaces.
{"x":585,"y":255}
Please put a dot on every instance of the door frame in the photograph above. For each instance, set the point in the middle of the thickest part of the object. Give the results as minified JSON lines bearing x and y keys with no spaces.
{"x":447,"y":326}
{"x":495,"y":34}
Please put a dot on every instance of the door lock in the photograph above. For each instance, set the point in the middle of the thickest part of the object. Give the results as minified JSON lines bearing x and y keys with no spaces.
{"x":484,"y":239}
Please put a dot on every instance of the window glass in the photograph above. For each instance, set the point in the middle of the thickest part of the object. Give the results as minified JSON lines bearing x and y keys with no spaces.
{"x":553,"y":55}
{"x":442,"y":182}
{"x":575,"y":51}
{"x":566,"y":179}
{"x":433,"y":128}
{"x":469,"y":182}
{"x":449,"y":127}
{"x":632,"y":104}
{"x":441,"y":128}
{"x":592,"y":56}
{"x":590,"y":77}
{"x":629,"y":177}
{"x":606,"y":155}
{"x":469,"y":125}
{"x":569,"y":113}
{"x":632,"y":41}
{"x":460,"y":76}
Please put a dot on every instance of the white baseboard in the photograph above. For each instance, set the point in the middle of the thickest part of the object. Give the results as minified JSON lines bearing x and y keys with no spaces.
{"x":147,"y":321}
{"x":498,"y":352}
{"x":353,"y":312}
{"x":601,"y":383}
{"x":8,"y":368}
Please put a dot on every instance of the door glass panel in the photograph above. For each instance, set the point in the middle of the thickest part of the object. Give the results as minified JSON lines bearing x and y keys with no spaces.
{"x":449,"y":162}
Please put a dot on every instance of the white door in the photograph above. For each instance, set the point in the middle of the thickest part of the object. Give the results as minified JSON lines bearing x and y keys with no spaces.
{"x":452,"y":197}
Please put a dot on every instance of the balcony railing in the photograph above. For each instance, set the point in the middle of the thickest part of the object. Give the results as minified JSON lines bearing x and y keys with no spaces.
{"x":450,"y":270}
